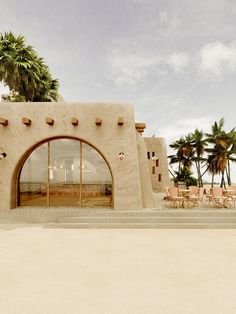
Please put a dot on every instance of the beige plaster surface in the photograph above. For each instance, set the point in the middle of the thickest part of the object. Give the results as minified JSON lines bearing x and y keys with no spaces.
{"x":117,"y":271}
{"x":146,"y":185}
{"x":158,"y":145}
{"x":109,"y":139}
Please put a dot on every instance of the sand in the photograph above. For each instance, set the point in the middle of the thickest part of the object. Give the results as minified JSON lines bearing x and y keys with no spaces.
{"x":56,"y":271}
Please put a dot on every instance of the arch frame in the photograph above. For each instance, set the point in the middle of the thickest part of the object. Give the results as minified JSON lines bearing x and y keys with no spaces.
{"x":17,"y":172}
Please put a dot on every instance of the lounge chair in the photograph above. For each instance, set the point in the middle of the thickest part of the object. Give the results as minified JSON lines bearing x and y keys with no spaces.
{"x":231,"y":195}
{"x":167,"y":195}
{"x":201,"y":194}
{"x":217,"y":198}
{"x":233,"y":187}
{"x":175,"y":199}
{"x":194,"y":195}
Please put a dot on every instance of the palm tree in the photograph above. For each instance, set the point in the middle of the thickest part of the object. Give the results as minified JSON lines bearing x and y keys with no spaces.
{"x":178,"y":157}
{"x":199,"y":144}
{"x":24,"y":72}
{"x":218,"y":153}
{"x":184,"y":151}
{"x":10,"y":62}
{"x":231,"y":154}
{"x":219,"y":146}
{"x":183,"y":156}
{"x":211,"y":167}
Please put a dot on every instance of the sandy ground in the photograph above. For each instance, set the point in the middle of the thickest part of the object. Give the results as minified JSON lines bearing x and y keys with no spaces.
{"x":49,"y":271}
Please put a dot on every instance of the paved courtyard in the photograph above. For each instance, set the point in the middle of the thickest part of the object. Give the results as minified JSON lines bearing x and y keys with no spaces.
{"x":47,"y":271}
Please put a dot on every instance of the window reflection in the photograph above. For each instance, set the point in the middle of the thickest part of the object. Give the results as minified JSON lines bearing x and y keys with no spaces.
{"x":96,"y":183}
{"x":34,"y":178}
{"x":65,"y":172}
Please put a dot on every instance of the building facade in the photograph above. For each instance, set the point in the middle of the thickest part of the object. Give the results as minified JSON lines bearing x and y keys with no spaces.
{"x":88,"y":155}
{"x":157,"y":163}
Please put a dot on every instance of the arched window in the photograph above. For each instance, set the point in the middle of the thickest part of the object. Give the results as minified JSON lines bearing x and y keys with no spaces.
{"x":65,"y":172}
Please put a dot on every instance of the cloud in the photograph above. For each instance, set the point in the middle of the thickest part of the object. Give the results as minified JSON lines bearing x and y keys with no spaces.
{"x":131,"y":66}
{"x":168,"y":22}
{"x":216,"y":59}
{"x":183,"y":126}
{"x":178,"y":61}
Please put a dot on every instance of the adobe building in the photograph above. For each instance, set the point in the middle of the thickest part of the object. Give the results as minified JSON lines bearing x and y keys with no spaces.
{"x":87,"y":155}
{"x":157,"y":163}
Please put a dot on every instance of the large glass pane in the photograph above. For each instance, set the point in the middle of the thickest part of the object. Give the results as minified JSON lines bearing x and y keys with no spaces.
{"x":64,"y":172}
{"x":51,"y":176}
{"x":96,"y":179}
{"x":34,"y":178}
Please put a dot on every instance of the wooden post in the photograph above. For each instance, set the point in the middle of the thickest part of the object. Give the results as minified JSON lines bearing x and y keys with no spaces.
{"x":120,"y":121}
{"x":3,"y":121}
{"x":49,"y":121}
{"x":74,"y":121}
{"x":26,"y":121}
{"x":140,"y":127}
{"x":98,"y":121}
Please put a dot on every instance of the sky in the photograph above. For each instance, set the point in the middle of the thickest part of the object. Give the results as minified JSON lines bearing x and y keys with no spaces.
{"x":174,"y":60}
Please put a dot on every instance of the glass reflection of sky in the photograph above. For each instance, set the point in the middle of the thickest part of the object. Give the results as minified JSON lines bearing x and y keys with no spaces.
{"x":64,"y":156}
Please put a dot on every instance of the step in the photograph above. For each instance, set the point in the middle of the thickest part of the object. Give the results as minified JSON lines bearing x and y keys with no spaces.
{"x":141,"y":225}
{"x":138,"y":219}
{"x":158,"y":213}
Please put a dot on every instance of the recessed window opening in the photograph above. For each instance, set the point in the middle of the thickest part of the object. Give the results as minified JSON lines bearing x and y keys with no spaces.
{"x":65,"y":172}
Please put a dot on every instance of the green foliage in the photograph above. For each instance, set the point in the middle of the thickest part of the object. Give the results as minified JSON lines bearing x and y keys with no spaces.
{"x":14,"y":97}
{"x":185,"y":175}
{"x":214,"y":151}
{"x":24,"y":72}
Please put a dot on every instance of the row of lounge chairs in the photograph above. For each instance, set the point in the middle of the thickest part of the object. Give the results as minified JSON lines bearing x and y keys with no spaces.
{"x":216,"y":197}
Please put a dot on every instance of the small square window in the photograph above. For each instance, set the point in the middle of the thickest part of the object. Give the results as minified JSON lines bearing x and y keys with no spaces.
{"x":157,"y":163}
{"x":153,"y":154}
{"x":153,"y":170}
{"x":159,"y":177}
{"x":148,"y":155}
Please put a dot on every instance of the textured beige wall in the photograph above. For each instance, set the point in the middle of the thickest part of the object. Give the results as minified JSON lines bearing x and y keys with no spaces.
{"x":158,"y":145}
{"x":109,"y":138}
{"x":146,"y":185}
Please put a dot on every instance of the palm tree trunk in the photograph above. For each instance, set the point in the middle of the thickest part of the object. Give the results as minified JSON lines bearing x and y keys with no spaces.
{"x":222,"y":184}
{"x":203,"y":174}
{"x":212,"y":180}
{"x":200,"y":175}
{"x":171,"y":173}
{"x":228,"y":173}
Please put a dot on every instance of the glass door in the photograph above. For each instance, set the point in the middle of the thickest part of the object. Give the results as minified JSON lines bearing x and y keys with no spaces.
{"x":96,"y":179}
{"x":64,"y":173}
{"x":33,"y":183}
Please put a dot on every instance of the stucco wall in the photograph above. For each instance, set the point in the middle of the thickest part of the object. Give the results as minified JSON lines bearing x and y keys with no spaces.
{"x":146,"y":185}
{"x":157,"y":145}
{"x":109,"y":139}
